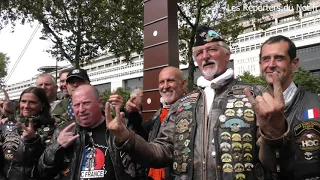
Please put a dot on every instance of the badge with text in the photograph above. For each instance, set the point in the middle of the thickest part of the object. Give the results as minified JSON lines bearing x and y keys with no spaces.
{"x":309,"y":142}
{"x":308,"y":125}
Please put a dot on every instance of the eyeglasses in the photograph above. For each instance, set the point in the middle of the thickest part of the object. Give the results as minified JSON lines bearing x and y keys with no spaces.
{"x":211,"y":49}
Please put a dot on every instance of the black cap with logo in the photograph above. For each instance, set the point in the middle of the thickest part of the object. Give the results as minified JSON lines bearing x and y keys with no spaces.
{"x":78,"y":73}
{"x":205,"y":35}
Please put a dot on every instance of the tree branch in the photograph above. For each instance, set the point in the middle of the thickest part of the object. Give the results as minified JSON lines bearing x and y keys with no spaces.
{"x":78,"y":35}
{"x":58,"y":40}
{"x":68,"y":19}
{"x":88,"y":42}
{"x":185,"y":17}
{"x":197,"y":16}
{"x":206,"y":5}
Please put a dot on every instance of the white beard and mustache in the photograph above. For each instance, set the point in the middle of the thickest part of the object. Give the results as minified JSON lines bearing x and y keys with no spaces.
{"x":209,"y":72}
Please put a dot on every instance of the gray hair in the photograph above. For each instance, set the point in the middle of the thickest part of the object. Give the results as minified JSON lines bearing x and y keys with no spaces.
{"x":48,"y":75}
{"x":134,"y":92}
{"x":224,"y":45}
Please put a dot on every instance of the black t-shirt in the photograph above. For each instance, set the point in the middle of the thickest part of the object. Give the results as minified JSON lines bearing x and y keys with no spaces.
{"x":96,"y":162}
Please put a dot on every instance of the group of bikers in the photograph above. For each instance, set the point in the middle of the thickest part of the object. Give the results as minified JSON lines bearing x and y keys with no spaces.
{"x":224,"y":129}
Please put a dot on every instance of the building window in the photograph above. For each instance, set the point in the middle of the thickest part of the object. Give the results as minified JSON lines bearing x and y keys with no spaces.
{"x":286,"y":19}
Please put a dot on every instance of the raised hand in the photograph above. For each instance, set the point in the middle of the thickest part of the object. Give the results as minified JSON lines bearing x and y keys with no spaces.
{"x":131,"y":106}
{"x":66,"y":136}
{"x":115,"y":100}
{"x":4,"y":120}
{"x":117,"y":125}
{"x":28,"y":132}
{"x":5,"y":104}
{"x":269,"y":109}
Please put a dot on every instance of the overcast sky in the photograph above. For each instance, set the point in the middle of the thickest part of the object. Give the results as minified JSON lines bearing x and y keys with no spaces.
{"x":35,"y":56}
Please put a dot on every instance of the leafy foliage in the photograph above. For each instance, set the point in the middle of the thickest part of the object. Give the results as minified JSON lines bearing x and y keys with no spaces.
{"x":4,"y":60}
{"x":300,"y":77}
{"x":125,"y":94}
{"x":304,"y":78}
{"x":82,"y":29}
{"x":249,"y":78}
{"x":229,"y":17}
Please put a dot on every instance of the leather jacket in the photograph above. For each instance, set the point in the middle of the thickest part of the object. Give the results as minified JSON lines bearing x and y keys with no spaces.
{"x":296,"y":155}
{"x":66,"y":163}
{"x":200,"y":161}
{"x":152,"y":127}
{"x":19,"y":157}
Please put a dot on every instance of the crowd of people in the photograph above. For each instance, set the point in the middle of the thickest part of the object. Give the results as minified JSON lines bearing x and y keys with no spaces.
{"x":224,"y":129}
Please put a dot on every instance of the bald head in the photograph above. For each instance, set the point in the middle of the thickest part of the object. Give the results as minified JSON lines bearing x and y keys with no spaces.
{"x":171,"y":84}
{"x":87,"y":88}
{"x":87,"y":105}
{"x":172,"y":70}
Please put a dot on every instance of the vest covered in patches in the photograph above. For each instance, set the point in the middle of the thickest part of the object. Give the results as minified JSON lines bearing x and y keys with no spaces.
{"x":299,"y":159}
{"x":230,"y":145}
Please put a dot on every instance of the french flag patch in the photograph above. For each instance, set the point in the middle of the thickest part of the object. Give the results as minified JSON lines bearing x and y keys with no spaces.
{"x":311,"y":113}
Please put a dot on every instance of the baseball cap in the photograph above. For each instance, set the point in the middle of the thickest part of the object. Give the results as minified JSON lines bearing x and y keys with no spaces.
{"x":79,"y":73}
{"x":205,"y":34}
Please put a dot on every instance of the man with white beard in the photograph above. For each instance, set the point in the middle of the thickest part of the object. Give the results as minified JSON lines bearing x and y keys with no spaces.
{"x":207,"y":134}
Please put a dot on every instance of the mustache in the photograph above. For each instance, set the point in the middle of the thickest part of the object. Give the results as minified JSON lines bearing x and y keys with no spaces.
{"x":272,"y":70}
{"x":166,"y":90}
{"x":208,"y":61}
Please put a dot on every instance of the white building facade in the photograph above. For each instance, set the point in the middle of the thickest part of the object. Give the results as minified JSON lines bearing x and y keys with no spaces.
{"x":107,"y":72}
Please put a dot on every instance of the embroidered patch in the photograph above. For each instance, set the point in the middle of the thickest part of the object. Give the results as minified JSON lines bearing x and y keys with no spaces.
{"x":225,"y":147}
{"x":238,"y":167}
{"x":309,"y":125}
{"x":236,"y":137}
{"x":225,"y":136}
{"x":309,"y":142}
{"x":247,"y":137}
{"x":248,"y":115}
{"x":226,"y":157}
{"x":182,"y":125}
{"x":236,"y":147}
{"x":311,"y":113}
{"x":240,"y":176}
{"x":228,"y":168}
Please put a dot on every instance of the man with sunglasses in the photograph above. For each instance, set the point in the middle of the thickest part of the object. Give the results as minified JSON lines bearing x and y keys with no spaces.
{"x":207,"y":134}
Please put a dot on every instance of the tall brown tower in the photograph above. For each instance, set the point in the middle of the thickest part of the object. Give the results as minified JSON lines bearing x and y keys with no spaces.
{"x":160,"y":48}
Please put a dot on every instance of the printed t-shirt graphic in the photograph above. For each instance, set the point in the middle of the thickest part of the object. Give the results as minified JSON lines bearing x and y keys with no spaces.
{"x":96,"y":163}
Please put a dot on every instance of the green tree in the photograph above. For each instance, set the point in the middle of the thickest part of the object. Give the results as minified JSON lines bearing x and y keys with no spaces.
{"x":4,"y":60}
{"x":83,"y":29}
{"x":125,"y":94}
{"x":304,"y":78}
{"x":249,"y":78}
{"x":300,"y":76}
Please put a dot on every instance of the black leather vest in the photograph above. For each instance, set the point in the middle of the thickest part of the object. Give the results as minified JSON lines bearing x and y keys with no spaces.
{"x":300,"y":157}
